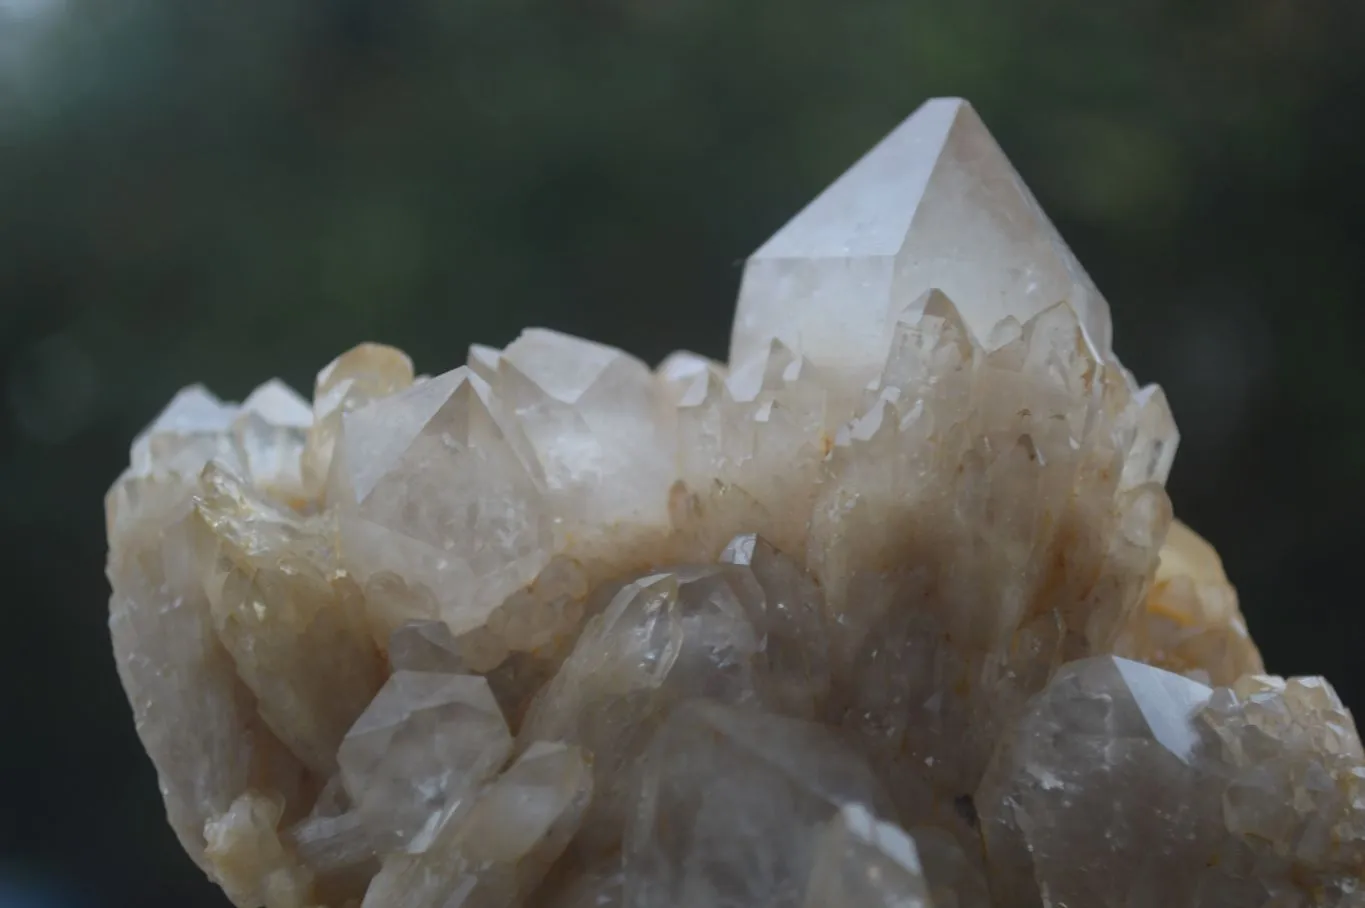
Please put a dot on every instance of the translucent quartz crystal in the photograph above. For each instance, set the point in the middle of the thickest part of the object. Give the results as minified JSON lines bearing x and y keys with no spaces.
{"x":795,"y":672}
{"x":1248,"y":795}
{"x":1127,"y":727}
{"x":359,"y":376}
{"x":736,"y":806}
{"x":426,"y":742}
{"x":495,"y":853}
{"x":861,"y":860}
{"x":270,"y":434}
{"x":664,"y":638}
{"x":935,"y":205}
{"x":336,"y":846}
{"x":194,"y":715}
{"x":425,"y":646}
{"x":888,"y":609}
{"x":594,"y":422}
{"x":429,"y":487}
{"x":293,"y":624}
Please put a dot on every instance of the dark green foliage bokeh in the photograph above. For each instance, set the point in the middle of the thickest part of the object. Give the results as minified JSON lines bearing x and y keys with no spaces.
{"x":223,"y":191}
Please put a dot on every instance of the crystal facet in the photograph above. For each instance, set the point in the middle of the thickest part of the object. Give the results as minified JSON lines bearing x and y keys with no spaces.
{"x":424,"y":744}
{"x":861,"y":860}
{"x":494,"y":854}
{"x":736,"y":806}
{"x":935,"y":205}
{"x":1160,"y":764}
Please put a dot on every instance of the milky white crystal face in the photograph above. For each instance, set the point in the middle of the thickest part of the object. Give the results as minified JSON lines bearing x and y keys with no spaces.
{"x":429,"y":485}
{"x":419,"y":750}
{"x":887,"y":610}
{"x":935,"y":205}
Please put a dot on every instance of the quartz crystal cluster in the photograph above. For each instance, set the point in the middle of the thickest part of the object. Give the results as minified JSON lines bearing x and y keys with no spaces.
{"x":888,"y":610}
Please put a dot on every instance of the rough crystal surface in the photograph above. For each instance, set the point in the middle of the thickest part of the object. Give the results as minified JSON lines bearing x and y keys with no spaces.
{"x":1190,"y":622}
{"x":1126,"y":785}
{"x":888,"y":609}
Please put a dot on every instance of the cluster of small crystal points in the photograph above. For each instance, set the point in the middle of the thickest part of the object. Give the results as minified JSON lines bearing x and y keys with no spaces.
{"x":889,"y":611}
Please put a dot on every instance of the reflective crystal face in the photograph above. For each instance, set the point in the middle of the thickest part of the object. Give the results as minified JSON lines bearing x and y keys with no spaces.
{"x":889,"y":609}
{"x":935,"y":205}
{"x":861,"y":860}
{"x":1157,"y":763}
{"x":419,"y":750}
{"x":737,"y":806}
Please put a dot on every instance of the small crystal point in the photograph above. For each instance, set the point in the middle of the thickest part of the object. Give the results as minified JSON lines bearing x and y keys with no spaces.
{"x":1190,"y":621}
{"x":483,"y":361}
{"x":193,"y":409}
{"x":191,"y":429}
{"x":279,"y":404}
{"x":380,"y":434}
{"x":362,"y":374}
{"x":424,"y":743}
{"x":935,"y":205}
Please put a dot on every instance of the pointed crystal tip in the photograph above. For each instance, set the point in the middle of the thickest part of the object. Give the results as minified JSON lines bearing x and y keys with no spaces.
{"x":935,"y":205}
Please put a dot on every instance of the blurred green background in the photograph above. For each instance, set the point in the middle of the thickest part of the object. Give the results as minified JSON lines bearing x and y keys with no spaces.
{"x":225,"y":190}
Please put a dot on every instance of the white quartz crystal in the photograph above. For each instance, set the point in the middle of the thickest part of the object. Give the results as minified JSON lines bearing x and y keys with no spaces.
{"x":429,"y":486}
{"x":935,"y":205}
{"x":418,"y":751}
{"x":736,"y":807}
{"x":889,"y":609}
{"x":496,"y":852}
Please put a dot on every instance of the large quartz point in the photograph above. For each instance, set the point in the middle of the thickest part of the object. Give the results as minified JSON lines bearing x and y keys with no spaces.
{"x":890,"y":609}
{"x":935,"y":205}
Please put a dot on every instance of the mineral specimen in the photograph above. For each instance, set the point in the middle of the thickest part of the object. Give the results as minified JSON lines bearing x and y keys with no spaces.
{"x":890,"y":610}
